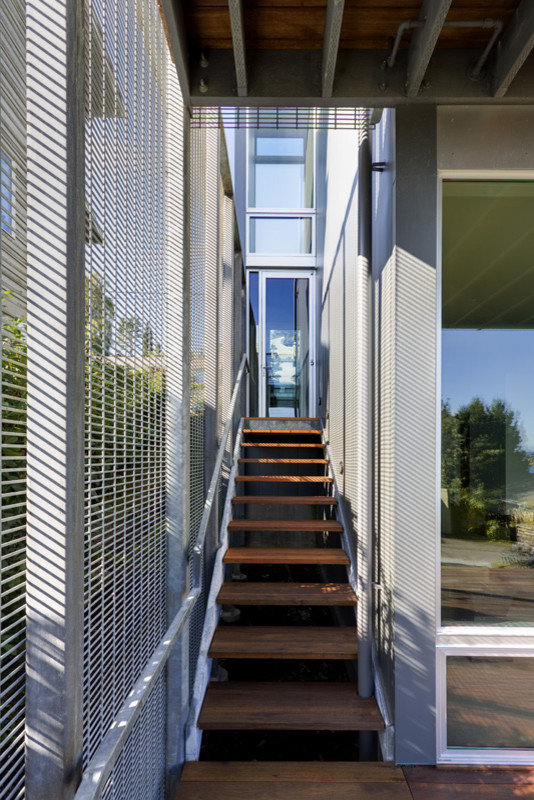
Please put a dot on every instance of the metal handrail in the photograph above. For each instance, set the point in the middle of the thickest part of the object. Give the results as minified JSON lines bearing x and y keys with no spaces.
{"x":101,"y":764}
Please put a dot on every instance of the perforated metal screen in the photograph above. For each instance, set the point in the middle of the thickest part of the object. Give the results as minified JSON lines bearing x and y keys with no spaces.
{"x":13,"y":389}
{"x":125,"y":543}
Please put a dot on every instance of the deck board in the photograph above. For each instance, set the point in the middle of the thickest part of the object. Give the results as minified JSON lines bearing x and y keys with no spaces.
{"x":289,"y":642}
{"x":288,"y":706}
{"x":286,"y":594}
{"x":285,"y":555}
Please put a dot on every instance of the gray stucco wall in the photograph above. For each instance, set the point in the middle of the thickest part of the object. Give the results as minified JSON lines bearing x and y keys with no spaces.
{"x":405,"y":254}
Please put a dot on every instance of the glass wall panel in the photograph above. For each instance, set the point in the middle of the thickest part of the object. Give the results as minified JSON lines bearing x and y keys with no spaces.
{"x":280,"y":235}
{"x":490,"y":702}
{"x":253,"y":341}
{"x":287,"y":342}
{"x":487,"y":461}
{"x":280,"y":169}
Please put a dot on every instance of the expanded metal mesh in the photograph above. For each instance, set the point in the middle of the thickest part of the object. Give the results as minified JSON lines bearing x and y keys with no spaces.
{"x":277,"y":118}
{"x":140,"y":768}
{"x":204,"y":166}
{"x":125,"y":545}
{"x":13,"y":389}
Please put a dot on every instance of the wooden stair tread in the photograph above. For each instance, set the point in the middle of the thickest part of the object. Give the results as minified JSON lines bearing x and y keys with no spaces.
{"x":285,"y":431}
{"x":297,"y":790}
{"x":319,"y":500}
{"x":287,"y":642}
{"x":283,"y":444}
{"x":286,"y":594}
{"x":284,"y":478}
{"x":283,"y":461}
{"x":285,"y":555}
{"x":283,"y":419}
{"x":319,"y":525}
{"x":288,"y":706}
{"x":272,"y":771}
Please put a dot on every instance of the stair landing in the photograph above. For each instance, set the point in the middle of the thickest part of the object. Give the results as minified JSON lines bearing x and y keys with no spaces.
{"x":296,"y":780}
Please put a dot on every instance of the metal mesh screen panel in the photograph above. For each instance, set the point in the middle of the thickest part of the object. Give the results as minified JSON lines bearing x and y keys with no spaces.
{"x":290,"y":118}
{"x":140,"y":768}
{"x":13,"y":468}
{"x":205,"y":228}
{"x":125,"y":545}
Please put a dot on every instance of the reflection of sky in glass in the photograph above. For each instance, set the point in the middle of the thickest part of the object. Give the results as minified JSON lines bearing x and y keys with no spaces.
{"x":491,"y":364}
{"x":278,"y":146}
{"x":287,"y":235}
{"x":279,"y":186}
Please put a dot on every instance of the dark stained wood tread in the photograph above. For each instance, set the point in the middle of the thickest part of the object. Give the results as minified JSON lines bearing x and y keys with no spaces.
{"x":286,"y":594}
{"x":285,"y":555}
{"x":283,"y":444}
{"x":288,"y":706}
{"x":292,"y":780}
{"x":319,"y":525}
{"x":285,"y":431}
{"x":299,"y":790}
{"x":260,"y":499}
{"x":273,"y":771}
{"x":283,"y":461}
{"x":283,"y":419}
{"x":287,"y":642}
{"x":284,"y":478}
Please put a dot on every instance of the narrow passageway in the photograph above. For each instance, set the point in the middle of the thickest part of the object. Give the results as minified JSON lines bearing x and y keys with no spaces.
{"x":290,"y":699}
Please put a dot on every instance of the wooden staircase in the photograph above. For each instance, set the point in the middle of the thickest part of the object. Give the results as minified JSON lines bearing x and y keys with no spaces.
{"x":293,"y":525}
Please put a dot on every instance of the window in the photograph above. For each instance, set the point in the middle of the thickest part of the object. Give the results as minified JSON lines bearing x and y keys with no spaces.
{"x":280,"y":169}
{"x":487,"y":489}
{"x":6,"y":193}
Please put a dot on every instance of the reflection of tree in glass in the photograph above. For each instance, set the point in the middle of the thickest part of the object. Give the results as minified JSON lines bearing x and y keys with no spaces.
{"x":482,"y":461}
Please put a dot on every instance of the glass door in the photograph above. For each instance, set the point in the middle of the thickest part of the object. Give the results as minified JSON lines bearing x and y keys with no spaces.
{"x":286,"y":344}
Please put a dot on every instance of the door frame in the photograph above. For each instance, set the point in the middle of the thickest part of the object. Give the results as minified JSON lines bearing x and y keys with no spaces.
{"x":263,"y":276}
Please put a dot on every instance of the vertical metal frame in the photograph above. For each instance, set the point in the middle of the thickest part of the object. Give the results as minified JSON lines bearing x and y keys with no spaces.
{"x":56,"y":291}
{"x":468,"y":640}
{"x":264,"y":275}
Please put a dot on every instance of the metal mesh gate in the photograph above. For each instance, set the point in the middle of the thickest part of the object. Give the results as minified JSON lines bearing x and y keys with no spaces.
{"x":125,"y":544}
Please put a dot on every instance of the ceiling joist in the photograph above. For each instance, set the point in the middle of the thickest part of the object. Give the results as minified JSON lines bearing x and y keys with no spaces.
{"x":432,"y":14}
{"x":332,"y":31}
{"x":238,"y":42}
{"x":515,"y":46}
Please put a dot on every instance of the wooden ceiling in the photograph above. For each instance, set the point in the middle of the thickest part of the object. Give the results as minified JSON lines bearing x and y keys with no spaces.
{"x":333,"y":51}
{"x":366,"y":25}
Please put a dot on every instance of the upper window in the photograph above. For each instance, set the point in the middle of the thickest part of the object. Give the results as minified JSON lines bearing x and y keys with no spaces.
{"x":6,"y":193}
{"x":280,"y":169}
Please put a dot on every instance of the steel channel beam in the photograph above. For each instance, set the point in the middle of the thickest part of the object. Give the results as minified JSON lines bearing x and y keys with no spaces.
{"x":334,"y":18}
{"x":238,"y":40}
{"x":433,"y":13}
{"x":515,"y":46}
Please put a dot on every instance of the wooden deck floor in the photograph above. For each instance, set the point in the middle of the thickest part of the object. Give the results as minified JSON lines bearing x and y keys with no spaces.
{"x":350,"y":781}
{"x":457,"y":783}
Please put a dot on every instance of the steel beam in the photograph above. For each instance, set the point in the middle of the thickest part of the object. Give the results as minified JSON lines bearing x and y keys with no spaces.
{"x":433,"y":13}
{"x":176,"y":37}
{"x":56,"y":378}
{"x":238,"y":39}
{"x":514,"y":47}
{"x":292,"y":79}
{"x":334,"y":18}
